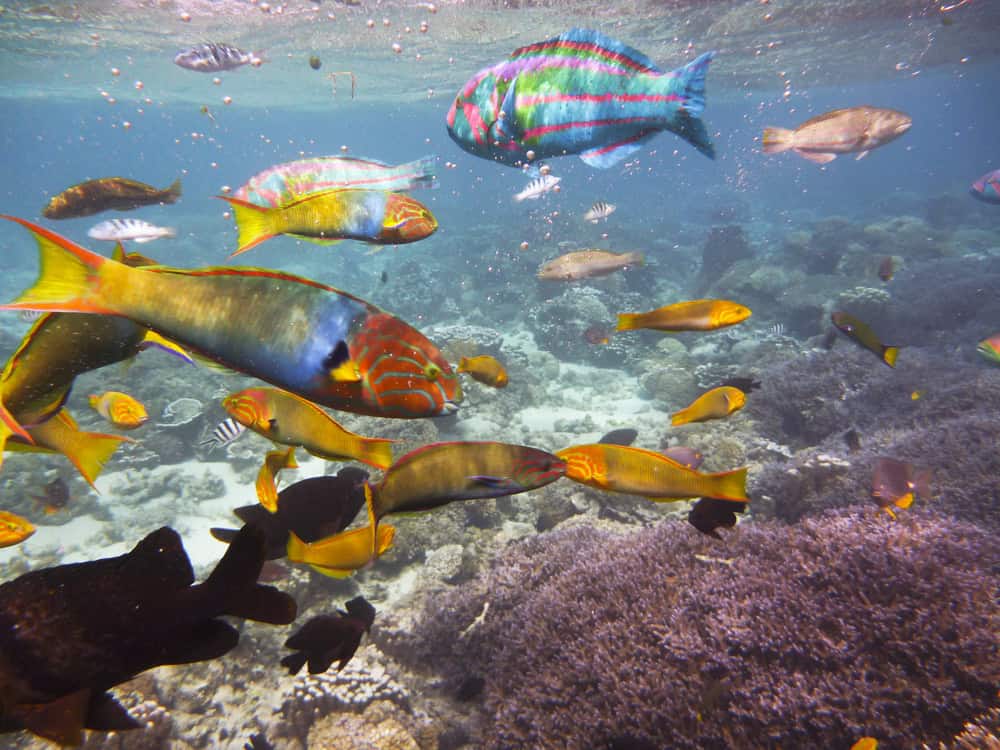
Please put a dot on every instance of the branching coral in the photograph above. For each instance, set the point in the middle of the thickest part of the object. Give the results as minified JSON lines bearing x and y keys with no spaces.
{"x":804,"y":636}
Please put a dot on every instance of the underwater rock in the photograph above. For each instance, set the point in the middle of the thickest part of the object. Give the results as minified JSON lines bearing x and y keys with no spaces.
{"x":462,"y":340}
{"x":864,"y":302}
{"x":907,"y":236}
{"x":446,"y":563}
{"x":724,"y":246}
{"x":559,"y":326}
{"x":378,"y":727}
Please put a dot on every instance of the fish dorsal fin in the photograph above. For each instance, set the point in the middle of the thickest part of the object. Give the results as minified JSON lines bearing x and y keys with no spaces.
{"x":590,"y":43}
{"x":60,"y":720}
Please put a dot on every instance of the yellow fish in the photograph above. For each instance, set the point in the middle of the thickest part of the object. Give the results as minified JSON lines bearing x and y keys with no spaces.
{"x":267,"y":477}
{"x":695,"y":315}
{"x":865,"y":743}
{"x":635,"y":471}
{"x":714,"y":404}
{"x":484,"y":369}
{"x":120,"y":409}
{"x":13,"y":529}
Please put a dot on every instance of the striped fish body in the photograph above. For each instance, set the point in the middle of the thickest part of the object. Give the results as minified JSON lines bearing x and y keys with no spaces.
{"x":635,"y":471}
{"x":578,"y":93}
{"x":226,"y":432}
{"x":313,"y":340}
{"x":440,"y":473}
{"x":107,"y":193}
{"x":215,"y":57}
{"x":136,"y":230}
{"x":987,"y":187}
{"x":284,"y":183}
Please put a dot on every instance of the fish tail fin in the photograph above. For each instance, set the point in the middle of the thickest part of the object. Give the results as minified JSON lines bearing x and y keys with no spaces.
{"x":232,"y":588}
{"x":777,"y":140}
{"x":423,"y":171}
{"x":731,"y":485}
{"x":680,"y":417}
{"x":628,"y":322}
{"x":174,"y":191}
{"x":254,"y":223}
{"x":376,"y":452}
{"x":89,"y":452}
{"x":9,"y":426}
{"x":71,"y":277}
{"x":889,"y":354}
{"x":691,"y":128}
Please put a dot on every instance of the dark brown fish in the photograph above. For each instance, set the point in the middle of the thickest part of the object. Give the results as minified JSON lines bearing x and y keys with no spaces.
{"x":71,"y":632}
{"x":54,"y":496}
{"x":622,"y":436}
{"x":897,"y":483}
{"x":313,"y":508}
{"x":329,"y":638}
{"x":887,"y":268}
{"x":853,"y":440}
{"x":107,"y":193}
{"x":747,"y":385}
{"x":598,"y":335}
{"x":709,"y":514}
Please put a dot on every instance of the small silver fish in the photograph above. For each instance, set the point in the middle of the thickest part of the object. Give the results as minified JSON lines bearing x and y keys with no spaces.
{"x":136,"y":230}
{"x":226,"y":432}
{"x":600,"y":210}
{"x":30,"y":316}
{"x":538,"y":187}
{"x":215,"y":57}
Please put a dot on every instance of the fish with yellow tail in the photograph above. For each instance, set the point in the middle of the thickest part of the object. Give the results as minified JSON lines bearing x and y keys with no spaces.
{"x":896,"y":484}
{"x":635,"y":471}
{"x":714,"y":404}
{"x":267,"y":478}
{"x":484,"y":369}
{"x":318,"y":342}
{"x":14,"y":529}
{"x":120,"y":409}
{"x":291,"y":420}
{"x":374,"y":216}
{"x":342,"y":554}
{"x":854,"y":130}
{"x":694,"y":315}
{"x":863,"y":335}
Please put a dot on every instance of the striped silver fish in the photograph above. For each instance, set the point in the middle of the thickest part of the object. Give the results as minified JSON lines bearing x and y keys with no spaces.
{"x":225,"y":433}
{"x":600,"y":210}
{"x":215,"y":57}
{"x":30,"y":316}
{"x":538,"y":187}
{"x":134,"y":230}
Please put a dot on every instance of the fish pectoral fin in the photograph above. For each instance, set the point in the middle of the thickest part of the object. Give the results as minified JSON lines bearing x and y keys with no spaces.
{"x":671,"y":499}
{"x":494,"y":482}
{"x":861,"y":156}
{"x":152,"y":339}
{"x":105,"y":714}
{"x":60,"y":720}
{"x":506,"y":124}
{"x":816,"y":157}
{"x":607,"y":156}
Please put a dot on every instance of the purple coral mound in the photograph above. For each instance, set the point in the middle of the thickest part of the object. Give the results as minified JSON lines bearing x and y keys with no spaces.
{"x":812,"y":635}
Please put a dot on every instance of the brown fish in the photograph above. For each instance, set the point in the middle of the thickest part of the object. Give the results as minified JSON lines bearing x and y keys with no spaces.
{"x":862,"y":334}
{"x":54,"y":496}
{"x":855,"y":130}
{"x":330,"y":638}
{"x":709,"y":514}
{"x":107,"y":193}
{"x":484,"y":369}
{"x":887,"y":268}
{"x":897,"y":483}
{"x":587,"y":264}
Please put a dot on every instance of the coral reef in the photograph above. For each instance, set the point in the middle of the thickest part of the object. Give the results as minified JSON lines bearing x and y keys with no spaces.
{"x":724,"y":246}
{"x":811,"y":635}
{"x":981,"y":734}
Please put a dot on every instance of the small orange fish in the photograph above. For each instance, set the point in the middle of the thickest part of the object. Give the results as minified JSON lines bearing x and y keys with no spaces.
{"x":694,"y":315}
{"x":714,"y":404}
{"x":120,"y":409}
{"x":267,"y":477}
{"x":484,"y":369}
{"x":865,"y":743}
{"x":14,"y":529}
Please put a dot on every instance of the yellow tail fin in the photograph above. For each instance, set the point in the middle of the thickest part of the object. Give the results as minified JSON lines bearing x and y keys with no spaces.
{"x":889,"y":355}
{"x":87,"y":451}
{"x":254,"y":223}
{"x":731,"y":485}
{"x":628,"y":322}
{"x":376,"y":452}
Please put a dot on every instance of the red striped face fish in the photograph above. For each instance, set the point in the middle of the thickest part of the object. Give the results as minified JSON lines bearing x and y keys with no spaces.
{"x":578,"y":93}
{"x":318,"y":342}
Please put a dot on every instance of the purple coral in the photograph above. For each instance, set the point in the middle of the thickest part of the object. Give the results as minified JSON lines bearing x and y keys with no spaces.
{"x":806,"y":636}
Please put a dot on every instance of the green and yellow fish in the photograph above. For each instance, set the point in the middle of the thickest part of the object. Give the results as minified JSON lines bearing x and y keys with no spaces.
{"x":863,"y":335}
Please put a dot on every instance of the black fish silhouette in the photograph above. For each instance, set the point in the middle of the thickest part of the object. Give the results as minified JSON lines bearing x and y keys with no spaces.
{"x":329,"y":638}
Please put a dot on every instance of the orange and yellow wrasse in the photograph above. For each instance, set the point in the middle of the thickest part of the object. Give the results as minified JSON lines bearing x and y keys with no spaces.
{"x":267,"y":477}
{"x":375,"y":216}
{"x":863,"y":335}
{"x":120,"y":409}
{"x":897,"y":484}
{"x":484,"y":369}
{"x":714,"y":404}
{"x":14,"y":529}
{"x":318,"y":342}
{"x":105,"y":193}
{"x":635,"y":471}
{"x":990,"y":348}
{"x":865,"y":743}
{"x":694,"y":315}
{"x":291,"y":420}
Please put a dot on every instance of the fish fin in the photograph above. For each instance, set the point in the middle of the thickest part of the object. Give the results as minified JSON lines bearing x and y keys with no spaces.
{"x":87,"y":451}
{"x":105,"y":714}
{"x":376,"y":452}
{"x":815,"y":157}
{"x":118,"y":254}
{"x":267,"y":477}
{"x":731,"y":485}
{"x":673,"y":500}
{"x":624,"y":58}
{"x":232,"y":588}
{"x":494,"y":482}
{"x":225,"y":536}
{"x":71,"y":277}
{"x":628,"y":322}
{"x":152,"y":339}
{"x":254,"y":223}
{"x":922,"y":482}
{"x":294,"y":662}
{"x":314,"y":240}
{"x":506,"y":123}
{"x":174,"y":190}
{"x":776,"y":140}
{"x":332,"y":572}
{"x":422,"y":172}
{"x":861,"y":156}
{"x":9,"y":426}
{"x":889,"y":354}
{"x":680,"y":417}
{"x":607,"y":156}
{"x":60,"y":720}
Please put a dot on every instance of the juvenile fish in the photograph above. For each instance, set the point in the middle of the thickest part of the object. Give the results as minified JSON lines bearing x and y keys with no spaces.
{"x":119,"y":409}
{"x":134,"y":230}
{"x":600,"y":210}
{"x":587,"y":264}
{"x":216,"y":57}
{"x":227,"y":431}
{"x":990,"y":348}
{"x":329,"y":638}
{"x":897,"y":484}
{"x":539,"y":187}
{"x":855,"y":130}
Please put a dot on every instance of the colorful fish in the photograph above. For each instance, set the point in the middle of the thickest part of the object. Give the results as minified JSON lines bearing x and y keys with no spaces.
{"x":897,"y":484}
{"x":215,"y":57}
{"x":329,"y":638}
{"x":283,"y":183}
{"x":863,"y":335}
{"x":316,"y":341}
{"x":694,"y":315}
{"x":484,"y":369}
{"x":855,"y":130}
{"x":107,"y":193}
{"x":587,"y":264}
{"x":714,"y":404}
{"x":13,"y":530}
{"x":635,"y":471}
{"x":120,"y":409}
{"x":369,"y":215}
{"x":267,"y":477}
{"x":291,"y":420}
{"x":578,"y":93}
{"x":865,"y":743}
{"x":987,"y":187}
{"x":990,"y":348}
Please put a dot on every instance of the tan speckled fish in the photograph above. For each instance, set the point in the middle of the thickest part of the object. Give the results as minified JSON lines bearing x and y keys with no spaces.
{"x":587,"y":264}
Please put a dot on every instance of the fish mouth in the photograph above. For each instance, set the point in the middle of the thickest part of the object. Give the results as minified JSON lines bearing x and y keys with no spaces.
{"x":449,"y":408}
{"x":903,"y":127}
